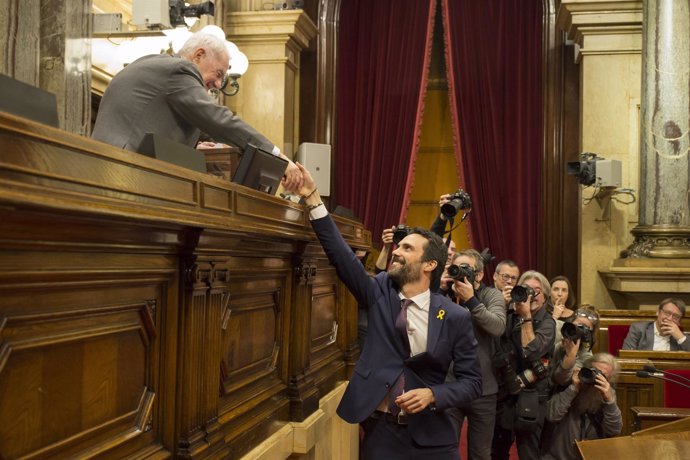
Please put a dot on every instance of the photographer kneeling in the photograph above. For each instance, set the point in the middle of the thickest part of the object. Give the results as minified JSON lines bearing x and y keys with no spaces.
{"x":587,"y":409}
{"x":575,"y":346}
{"x":521,"y":367}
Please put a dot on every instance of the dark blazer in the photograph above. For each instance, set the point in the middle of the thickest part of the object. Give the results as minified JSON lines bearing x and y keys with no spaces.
{"x":450,"y":339}
{"x":165,"y":95}
{"x":641,"y":337}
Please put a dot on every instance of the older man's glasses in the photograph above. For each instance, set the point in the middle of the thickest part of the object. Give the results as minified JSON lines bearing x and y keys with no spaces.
{"x":506,"y":277}
{"x":674,"y":316}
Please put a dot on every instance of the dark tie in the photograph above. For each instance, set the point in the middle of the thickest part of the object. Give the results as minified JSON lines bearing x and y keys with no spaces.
{"x":399,"y":386}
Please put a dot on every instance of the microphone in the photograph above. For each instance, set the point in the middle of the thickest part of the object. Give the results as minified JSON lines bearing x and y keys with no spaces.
{"x":660,"y":376}
{"x":670,"y":375}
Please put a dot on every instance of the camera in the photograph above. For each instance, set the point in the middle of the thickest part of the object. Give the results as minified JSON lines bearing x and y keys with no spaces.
{"x":512,"y":381}
{"x":588,"y":375}
{"x":521,"y":293}
{"x":575,"y":332}
{"x":458,"y":200}
{"x":179,"y":10}
{"x":458,"y":272}
{"x":400,"y":232}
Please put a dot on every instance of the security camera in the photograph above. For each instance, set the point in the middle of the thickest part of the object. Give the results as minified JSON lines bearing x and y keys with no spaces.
{"x":595,"y":170}
{"x":180,"y":10}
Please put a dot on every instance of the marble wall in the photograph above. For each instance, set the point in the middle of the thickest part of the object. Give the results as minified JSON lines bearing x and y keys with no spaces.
{"x":46,"y":43}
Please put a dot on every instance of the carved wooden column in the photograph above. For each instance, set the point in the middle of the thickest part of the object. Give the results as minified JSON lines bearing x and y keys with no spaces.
{"x":269,"y":91}
{"x":302,"y":391}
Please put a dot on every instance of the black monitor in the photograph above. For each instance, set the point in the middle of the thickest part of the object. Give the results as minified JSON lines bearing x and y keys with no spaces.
{"x":260,"y":170}
{"x":28,"y":101}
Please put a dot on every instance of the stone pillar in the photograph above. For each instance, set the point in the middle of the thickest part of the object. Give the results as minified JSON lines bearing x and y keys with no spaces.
{"x":608,"y":40}
{"x":664,"y":221}
{"x":46,"y":43}
{"x":269,"y":91}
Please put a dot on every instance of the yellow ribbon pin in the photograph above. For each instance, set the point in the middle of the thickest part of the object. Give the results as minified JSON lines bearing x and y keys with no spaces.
{"x":441,"y":313}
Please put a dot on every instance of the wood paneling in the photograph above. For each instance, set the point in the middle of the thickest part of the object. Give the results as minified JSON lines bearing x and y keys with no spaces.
{"x":151,"y":311}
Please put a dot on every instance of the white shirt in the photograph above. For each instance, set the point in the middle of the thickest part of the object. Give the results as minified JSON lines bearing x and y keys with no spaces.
{"x":661,"y":342}
{"x":418,"y":321}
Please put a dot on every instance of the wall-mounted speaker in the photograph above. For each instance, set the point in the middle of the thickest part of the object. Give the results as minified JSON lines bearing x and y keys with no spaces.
{"x":317,"y":159}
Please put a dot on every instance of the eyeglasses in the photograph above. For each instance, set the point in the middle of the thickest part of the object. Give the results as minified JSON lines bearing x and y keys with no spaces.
{"x":507,"y":277}
{"x":590,"y":316}
{"x":675,"y":317}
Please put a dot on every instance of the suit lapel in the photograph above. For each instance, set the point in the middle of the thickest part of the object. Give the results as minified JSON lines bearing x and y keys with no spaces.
{"x":436,"y":318}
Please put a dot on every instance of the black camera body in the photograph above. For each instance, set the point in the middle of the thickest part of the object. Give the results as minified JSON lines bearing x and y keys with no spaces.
{"x":400,"y":232}
{"x":458,"y":200}
{"x":511,"y":380}
{"x":575,"y":332}
{"x":521,"y":293}
{"x":458,"y":272}
{"x":588,"y":375}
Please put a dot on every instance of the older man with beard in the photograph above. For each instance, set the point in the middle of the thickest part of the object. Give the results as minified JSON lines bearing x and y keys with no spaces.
{"x":587,"y":409}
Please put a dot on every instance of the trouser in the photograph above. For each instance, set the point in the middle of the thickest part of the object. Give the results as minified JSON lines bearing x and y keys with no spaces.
{"x":481,"y":418}
{"x":384,"y":440}
{"x":528,"y":444}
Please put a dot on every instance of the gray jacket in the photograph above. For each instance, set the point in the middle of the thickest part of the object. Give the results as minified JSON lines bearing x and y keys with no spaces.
{"x":641,"y":337}
{"x":566,"y":425}
{"x":165,"y":95}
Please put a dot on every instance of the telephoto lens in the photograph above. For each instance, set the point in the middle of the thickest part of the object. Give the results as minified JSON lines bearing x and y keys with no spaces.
{"x":458,"y":200}
{"x":458,"y":272}
{"x":521,"y":293}
{"x":588,"y":375}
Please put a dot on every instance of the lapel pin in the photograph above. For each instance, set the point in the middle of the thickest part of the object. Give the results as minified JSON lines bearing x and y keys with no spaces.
{"x":441,"y":314}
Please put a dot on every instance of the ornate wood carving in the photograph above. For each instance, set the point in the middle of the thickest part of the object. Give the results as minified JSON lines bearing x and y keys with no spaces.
{"x":140,"y":318}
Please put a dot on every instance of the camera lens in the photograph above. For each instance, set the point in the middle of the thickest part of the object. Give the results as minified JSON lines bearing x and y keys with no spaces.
{"x":588,"y":375}
{"x":400,"y":232}
{"x":521,"y":293}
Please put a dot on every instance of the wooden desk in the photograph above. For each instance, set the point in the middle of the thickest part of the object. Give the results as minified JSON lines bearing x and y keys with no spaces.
{"x":150,"y":311}
{"x":632,"y":391}
{"x":668,"y":441}
{"x":222,"y":161}
{"x":649,"y":417}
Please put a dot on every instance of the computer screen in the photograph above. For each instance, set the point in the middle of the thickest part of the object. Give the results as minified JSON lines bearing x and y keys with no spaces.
{"x":260,"y":170}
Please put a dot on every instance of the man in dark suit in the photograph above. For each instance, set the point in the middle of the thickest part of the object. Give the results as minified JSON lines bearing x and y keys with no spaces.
{"x":168,"y":95}
{"x":664,"y":334}
{"x":413,"y":338}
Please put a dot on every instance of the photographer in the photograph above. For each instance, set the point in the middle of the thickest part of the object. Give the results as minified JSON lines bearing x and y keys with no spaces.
{"x":520,"y":364}
{"x":587,"y":409}
{"x":489,"y":320}
{"x":505,"y":276}
{"x":575,"y":346}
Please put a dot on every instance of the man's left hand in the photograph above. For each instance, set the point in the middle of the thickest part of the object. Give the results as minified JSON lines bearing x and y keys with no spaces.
{"x":463,"y":289}
{"x":603,"y":385}
{"x":416,"y":400}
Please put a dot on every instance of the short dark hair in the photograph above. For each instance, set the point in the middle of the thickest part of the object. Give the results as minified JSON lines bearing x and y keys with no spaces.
{"x":504,"y":263}
{"x":436,"y":250}
{"x":677,"y":302}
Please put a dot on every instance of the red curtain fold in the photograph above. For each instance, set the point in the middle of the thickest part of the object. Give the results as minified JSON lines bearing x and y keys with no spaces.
{"x":383,"y":56}
{"x":494,"y":65}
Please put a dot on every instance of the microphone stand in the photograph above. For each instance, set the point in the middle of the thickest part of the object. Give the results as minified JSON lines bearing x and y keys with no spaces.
{"x":669,"y":375}
{"x":654,"y":375}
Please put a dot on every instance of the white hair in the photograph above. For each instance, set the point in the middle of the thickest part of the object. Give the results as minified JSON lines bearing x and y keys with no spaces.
{"x":209,"y":42}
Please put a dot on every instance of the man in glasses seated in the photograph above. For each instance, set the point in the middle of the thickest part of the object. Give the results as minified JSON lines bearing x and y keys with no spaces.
{"x":664,"y":334}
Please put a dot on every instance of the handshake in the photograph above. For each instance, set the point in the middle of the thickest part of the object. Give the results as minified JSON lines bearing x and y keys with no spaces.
{"x":298,"y":180}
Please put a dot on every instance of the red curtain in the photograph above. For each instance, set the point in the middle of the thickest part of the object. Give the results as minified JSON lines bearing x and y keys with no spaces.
{"x":383,"y":55}
{"x":494,"y":56}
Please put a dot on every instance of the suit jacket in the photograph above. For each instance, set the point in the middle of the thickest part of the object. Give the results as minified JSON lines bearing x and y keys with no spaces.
{"x":165,"y":95}
{"x":450,"y":339}
{"x":641,"y":337}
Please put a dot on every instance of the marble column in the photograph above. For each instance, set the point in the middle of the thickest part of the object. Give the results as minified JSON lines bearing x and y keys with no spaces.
{"x":46,"y":43}
{"x":664,"y":215}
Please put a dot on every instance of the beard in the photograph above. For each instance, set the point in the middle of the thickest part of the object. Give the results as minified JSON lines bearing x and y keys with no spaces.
{"x":588,"y":400}
{"x":402,"y":273}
